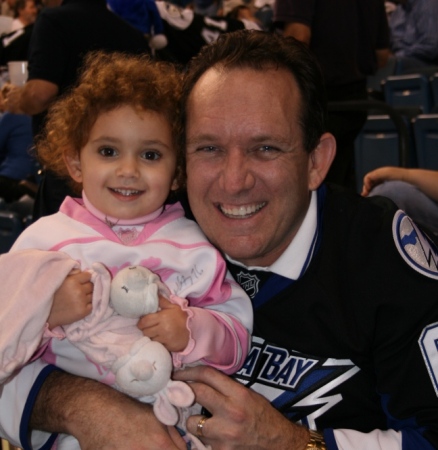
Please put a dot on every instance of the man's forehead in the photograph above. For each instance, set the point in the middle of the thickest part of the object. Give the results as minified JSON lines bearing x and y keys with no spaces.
{"x":217,"y":80}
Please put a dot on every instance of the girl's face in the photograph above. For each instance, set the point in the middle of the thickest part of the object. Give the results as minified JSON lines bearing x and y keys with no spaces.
{"x":127,"y":167}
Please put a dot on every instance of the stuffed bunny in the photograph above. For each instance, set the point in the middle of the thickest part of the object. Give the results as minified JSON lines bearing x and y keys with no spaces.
{"x":146,"y":370}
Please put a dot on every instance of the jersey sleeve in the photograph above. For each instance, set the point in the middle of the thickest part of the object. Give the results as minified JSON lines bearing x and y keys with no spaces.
{"x":17,"y":399}
{"x":220,"y":317}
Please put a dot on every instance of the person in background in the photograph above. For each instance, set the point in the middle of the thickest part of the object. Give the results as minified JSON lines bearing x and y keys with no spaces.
{"x":415,"y":191}
{"x":343,"y":287}
{"x":239,"y":10}
{"x":7,"y":8}
{"x":350,"y":40}
{"x":414,"y":34}
{"x":25,"y":14}
{"x":18,"y":165}
{"x":61,"y":38}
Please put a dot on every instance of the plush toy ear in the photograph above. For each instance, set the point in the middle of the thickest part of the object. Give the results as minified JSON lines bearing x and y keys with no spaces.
{"x":164,"y":411}
{"x":180,"y":394}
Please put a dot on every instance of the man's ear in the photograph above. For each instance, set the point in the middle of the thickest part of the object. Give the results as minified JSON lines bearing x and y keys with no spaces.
{"x":175,"y":185}
{"x":73,"y":163}
{"x":321,"y":159}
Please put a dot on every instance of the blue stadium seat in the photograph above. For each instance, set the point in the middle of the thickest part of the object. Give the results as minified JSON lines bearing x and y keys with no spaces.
{"x":376,"y":145}
{"x":10,"y":227}
{"x":408,"y":91}
{"x":426,"y":140}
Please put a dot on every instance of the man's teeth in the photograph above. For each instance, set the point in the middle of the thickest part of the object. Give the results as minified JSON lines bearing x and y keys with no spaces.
{"x":241,"y":211}
{"x":126,"y":192}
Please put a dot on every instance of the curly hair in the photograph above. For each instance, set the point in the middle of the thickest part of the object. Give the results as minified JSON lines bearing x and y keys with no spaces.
{"x":108,"y":81}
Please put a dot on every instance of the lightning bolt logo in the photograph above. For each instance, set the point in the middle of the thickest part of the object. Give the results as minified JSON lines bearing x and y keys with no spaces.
{"x":297,"y":385}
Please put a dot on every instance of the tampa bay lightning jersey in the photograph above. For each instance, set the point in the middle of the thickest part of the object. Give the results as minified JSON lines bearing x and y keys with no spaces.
{"x":351,"y":344}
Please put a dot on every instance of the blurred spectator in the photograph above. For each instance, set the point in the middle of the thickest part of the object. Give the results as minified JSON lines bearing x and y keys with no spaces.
{"x":187,"y":31}
{"x":14,"y":46}
{"x":350,"y":40}
{"x":414,"y":33}
{"x":415,"y":191}
{"x":209,"y":8}
{"x":61,"y":37}
{"x":25,"y":14}
{"x":264,"y":11}
{"x":239,"y":10}
{"x":17,"y":164}
{"x":8,"y":8}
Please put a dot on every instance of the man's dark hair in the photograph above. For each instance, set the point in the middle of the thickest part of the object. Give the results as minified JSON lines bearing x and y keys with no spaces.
{"x":260,"y":50}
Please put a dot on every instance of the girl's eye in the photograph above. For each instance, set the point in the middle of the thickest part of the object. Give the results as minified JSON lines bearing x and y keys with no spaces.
{"x":151,"y":155}
{"x":107,"y":151}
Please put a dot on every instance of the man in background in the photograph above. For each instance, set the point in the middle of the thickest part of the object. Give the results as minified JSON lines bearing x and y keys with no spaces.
{"x":350,"y":39}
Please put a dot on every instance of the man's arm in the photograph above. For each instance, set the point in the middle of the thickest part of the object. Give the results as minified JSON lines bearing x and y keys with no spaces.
{"x":425,"y":180}
{"x":99,"y":416}
{"x":33,"y":98}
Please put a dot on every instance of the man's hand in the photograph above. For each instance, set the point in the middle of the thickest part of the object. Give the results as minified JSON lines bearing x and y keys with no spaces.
{"x":241,"y":418}
{"x":99,"y":416}
{"x":12,"y":98}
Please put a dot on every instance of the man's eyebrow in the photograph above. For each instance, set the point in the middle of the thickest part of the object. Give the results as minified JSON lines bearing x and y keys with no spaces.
{"x":201,"y":138}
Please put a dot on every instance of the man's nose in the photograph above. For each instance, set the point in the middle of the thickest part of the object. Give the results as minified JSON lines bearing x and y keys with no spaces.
{"x":236,"y":174}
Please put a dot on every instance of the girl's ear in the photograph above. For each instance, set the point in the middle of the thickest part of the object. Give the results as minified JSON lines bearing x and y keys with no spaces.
{"x":73,"y":163}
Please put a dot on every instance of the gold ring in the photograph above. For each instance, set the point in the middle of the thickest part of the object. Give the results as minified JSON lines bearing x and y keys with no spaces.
{"x":200,"y":425}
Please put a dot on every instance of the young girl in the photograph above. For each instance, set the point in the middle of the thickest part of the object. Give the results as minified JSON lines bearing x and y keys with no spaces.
{"x":115,"y":134}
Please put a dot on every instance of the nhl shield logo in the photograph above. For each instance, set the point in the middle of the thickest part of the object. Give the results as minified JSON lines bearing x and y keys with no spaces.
{"x":415,"y":246}
{"x":250,"y":283}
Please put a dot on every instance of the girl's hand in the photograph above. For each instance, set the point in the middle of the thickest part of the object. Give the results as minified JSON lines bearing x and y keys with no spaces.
{"x":73,"y":300}
{"x":167,"y":326}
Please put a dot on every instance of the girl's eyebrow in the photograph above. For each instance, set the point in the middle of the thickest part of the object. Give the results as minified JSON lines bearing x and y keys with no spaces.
{"x":115,"y":140}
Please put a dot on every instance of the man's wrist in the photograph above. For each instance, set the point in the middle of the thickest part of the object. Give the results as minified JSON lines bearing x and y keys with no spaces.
{"x":316,"y":441}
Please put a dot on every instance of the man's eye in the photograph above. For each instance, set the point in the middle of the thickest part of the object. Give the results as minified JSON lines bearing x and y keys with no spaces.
{"x":151,"y":155}
{"x":267,"y":148}
{"x":207,"y":149}
{"x":107,"y":151}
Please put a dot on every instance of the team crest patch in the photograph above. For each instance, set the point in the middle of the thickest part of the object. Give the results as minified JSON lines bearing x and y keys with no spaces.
{"x":250,"y":283}
{"x":414,"y":246}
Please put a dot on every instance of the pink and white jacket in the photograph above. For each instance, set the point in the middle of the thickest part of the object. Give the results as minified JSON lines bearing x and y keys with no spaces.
{"x":219,"y":312}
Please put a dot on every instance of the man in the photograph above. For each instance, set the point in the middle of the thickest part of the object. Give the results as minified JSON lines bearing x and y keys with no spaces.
{"x":350,"y":39}
{"x":414,"y":35}
{"x":26,"y":13}
{"x":60,"y":39}
{"x":345,"y":307}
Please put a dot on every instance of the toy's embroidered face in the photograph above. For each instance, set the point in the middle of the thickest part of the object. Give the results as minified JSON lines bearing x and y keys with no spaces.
{"x":134,"y":292}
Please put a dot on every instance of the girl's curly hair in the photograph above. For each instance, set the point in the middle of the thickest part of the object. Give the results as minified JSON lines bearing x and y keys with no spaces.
{"x":108,"y":81}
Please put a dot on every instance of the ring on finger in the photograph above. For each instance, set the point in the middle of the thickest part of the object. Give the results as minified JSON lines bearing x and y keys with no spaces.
{"x":199,"y":427}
